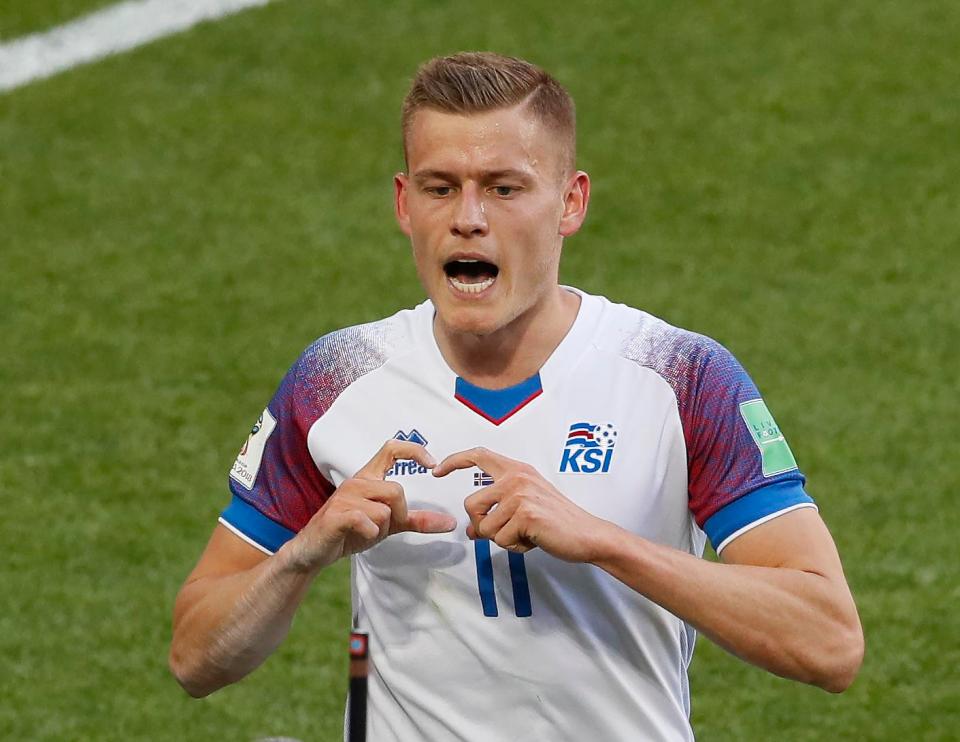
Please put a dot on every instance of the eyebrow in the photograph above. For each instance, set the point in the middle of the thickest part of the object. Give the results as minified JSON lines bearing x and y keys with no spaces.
{"x":486,"y":177}
{"x":422,"y":175}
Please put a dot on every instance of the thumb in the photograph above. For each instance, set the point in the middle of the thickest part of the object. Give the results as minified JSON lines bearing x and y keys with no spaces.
{"x":430,"y":521}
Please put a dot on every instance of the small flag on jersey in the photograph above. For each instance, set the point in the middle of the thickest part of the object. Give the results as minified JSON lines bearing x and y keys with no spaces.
{"x":482,"y":479}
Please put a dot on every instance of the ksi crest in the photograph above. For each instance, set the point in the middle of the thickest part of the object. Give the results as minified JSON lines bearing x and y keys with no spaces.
{"x":588,"y":448}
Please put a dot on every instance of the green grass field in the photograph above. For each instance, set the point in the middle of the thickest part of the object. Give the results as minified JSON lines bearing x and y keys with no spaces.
{"x":18,"y":17}
{"x":176,"y":224}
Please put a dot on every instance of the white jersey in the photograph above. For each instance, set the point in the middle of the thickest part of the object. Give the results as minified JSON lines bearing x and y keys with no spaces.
{"x":654,"y":428}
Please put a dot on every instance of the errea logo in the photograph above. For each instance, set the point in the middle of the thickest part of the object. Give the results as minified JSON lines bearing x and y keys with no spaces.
{"x":408,"y":466}
{"x":413,"y":436}
{"x":588,"y":448}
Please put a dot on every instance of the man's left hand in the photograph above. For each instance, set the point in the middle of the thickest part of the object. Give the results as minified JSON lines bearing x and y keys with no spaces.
{"x":521,"y":509}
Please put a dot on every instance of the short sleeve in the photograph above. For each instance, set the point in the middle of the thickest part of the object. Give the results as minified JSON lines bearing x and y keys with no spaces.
{"x":741,"y":471}
{"x":275,"y":482}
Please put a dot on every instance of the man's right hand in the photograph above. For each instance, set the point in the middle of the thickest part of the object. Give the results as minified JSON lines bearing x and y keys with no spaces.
{"x":363,"y":511}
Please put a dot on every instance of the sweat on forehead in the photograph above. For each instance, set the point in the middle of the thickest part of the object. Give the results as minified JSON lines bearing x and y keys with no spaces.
{"x":474,"y":144}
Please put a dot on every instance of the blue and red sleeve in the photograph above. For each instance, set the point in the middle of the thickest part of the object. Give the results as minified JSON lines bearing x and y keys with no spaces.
{"x":741,"y":472}
{"x":275,"y":482}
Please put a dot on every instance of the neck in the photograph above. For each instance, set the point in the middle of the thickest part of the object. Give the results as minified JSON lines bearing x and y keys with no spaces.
{"x":517,"y":350}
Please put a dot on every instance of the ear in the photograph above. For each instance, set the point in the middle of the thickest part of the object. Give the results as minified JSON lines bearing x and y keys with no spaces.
{"x":401,"y":184}
{"x":576,"y":197}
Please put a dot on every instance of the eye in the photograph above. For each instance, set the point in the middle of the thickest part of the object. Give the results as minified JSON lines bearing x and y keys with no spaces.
{"x":505,"y":190}
{"x":439,"y":191}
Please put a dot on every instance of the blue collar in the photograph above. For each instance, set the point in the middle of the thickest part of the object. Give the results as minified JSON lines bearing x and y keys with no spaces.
{"x":496,"y":405}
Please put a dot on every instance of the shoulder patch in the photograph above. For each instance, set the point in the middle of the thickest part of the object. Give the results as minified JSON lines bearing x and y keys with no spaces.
{"x":775,"y":454}
{"x":245,"y":468}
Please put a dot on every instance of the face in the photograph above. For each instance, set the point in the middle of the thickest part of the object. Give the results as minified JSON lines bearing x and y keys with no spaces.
{"x":486,"y":202}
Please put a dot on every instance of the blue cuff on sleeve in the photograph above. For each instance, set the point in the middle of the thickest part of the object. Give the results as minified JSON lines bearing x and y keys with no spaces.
{"x":753,"y":509}
{"x":252,"y":525}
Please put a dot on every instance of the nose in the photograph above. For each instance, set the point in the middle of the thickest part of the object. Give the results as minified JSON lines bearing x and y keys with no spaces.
{"x":469,"y":218}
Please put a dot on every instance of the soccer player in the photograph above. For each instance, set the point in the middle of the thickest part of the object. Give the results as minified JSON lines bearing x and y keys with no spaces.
{"x":523,"y":474}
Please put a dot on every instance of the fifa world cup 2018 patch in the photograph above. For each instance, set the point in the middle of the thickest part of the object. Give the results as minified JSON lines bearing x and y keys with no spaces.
{"x":248,"y":461}
{"x":588,"y":448}
{"x":775,"y":453}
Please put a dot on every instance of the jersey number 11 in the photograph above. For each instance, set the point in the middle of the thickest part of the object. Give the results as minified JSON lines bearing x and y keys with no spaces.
{"x":518,"y":578}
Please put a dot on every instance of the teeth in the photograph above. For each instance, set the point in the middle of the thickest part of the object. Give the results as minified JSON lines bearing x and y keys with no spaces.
{"x":472,"y":288}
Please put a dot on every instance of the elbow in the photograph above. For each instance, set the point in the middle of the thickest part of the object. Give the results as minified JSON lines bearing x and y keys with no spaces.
{"x":841,"y":660}
{"x":188,"y":677}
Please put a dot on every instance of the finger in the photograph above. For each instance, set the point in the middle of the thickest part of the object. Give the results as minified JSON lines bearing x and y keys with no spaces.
{"x":512,"y":538}
{"x":489,"y":525}
{"x":391,"y":451}
{"x":379,"y":513}
{"x":359,"y":523}
{"x":481,"y":502}
{"x":508,"y":537}
{"x":391,"y":495}
{"x":494,"y":464}
{"x":429,"y":521}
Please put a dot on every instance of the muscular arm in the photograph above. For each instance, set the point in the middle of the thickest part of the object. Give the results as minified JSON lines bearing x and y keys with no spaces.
{"x":232,"y":612}
{"x":237,"y":605}
{"x":779,"y":600}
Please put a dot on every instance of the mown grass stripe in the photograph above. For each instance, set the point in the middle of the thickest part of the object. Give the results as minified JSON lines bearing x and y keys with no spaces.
{"x":113,"y":30}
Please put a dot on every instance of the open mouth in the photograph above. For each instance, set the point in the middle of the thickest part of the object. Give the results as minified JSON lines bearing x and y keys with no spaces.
{"x":471,"y":276}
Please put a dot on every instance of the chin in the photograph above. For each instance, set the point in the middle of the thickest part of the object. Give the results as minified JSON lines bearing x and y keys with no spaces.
{"x":470,"y":320}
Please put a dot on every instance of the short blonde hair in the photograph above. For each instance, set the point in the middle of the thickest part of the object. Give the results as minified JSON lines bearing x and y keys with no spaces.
{"x":477,"y":82}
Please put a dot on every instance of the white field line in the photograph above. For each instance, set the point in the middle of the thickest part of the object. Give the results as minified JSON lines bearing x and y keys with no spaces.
{"x":116,"y":28}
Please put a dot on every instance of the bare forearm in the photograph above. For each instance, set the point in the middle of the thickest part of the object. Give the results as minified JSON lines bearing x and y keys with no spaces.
{"x":797,"y":624}
{"x":224,"y":627}
{"x":237,"y":605}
